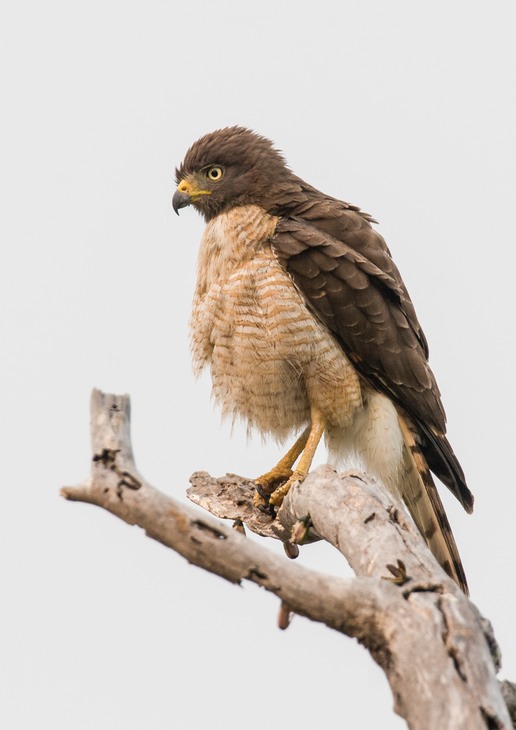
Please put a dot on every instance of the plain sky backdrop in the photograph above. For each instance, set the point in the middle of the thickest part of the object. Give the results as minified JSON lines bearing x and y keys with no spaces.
{"x":404,"y":108}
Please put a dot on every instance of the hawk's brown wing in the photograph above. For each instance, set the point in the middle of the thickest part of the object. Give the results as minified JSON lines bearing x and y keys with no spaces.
{"x":347,"y":277}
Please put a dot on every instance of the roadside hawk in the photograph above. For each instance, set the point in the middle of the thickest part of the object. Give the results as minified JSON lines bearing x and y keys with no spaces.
{"x":306,"y":325}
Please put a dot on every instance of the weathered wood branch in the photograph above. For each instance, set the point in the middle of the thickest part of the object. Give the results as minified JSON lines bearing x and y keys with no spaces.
{"x":426,"y":635}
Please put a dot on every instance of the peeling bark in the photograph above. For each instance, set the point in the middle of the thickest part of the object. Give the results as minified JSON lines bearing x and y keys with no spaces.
{"x":430,"y":640}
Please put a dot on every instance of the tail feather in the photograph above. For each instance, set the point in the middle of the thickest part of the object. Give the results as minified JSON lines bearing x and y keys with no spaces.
{"x":424,"y":504}
{"x":439,"y":456}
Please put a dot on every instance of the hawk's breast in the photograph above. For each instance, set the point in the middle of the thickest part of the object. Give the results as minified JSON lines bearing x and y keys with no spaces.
{"x":271,"y":359}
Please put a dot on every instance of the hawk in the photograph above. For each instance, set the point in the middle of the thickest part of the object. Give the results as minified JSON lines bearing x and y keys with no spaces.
{"x":305,"y":322}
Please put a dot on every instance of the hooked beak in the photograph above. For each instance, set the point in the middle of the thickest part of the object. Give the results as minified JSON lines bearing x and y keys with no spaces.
{"x":187,"y":192}
{"x":180,"y":200}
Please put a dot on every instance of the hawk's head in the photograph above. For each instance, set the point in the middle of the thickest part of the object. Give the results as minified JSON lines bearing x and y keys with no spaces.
{"x":232,"y":167}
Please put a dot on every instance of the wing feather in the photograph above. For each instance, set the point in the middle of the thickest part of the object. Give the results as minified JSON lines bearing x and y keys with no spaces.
{"x":347,"y":277}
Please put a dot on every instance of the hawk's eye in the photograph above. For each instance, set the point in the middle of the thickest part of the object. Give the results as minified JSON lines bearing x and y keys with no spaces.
{"x":214,"y":173}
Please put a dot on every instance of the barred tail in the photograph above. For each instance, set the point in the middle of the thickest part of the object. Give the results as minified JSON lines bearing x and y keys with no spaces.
{"x":424,"y":504}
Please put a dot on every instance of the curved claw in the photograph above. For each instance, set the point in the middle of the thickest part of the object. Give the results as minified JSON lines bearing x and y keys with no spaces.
{"x":267,"y":509}
{"x":279,"y":494}
{"x":263,"y":491}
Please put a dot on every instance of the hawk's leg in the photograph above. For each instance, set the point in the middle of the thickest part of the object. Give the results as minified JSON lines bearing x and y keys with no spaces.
{"x":305,"y":462}
{"x":279,"y":474}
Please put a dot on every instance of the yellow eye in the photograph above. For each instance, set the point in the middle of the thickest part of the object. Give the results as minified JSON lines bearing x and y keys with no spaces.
{"x":214,"y":173}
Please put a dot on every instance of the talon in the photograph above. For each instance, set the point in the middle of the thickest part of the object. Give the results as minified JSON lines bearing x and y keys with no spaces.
{"x":261,"y":501}
{"x":267,"y":509}
{"x":267,"y":485}
{"x":281,"y":492}
{"x":263,"y":492}
{"x":273,"y":487}
{"x":278,"y":496}
{"x":269,"y":482}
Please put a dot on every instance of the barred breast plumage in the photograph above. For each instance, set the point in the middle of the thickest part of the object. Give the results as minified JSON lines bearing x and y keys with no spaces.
{"x":270,"y":358}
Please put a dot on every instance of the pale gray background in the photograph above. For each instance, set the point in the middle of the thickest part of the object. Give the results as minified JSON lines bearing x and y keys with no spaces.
{"x":403,"y":108}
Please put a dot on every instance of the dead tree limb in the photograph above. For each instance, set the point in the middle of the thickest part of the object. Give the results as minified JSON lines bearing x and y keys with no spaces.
{"x":425,"y":634}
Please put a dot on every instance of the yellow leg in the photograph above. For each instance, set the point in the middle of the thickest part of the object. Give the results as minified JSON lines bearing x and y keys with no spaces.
{"x":305,"y":462}
{"x":281,"y":472}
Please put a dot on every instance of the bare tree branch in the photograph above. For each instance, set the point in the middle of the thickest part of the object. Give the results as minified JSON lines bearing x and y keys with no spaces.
{"x":425,"y":634}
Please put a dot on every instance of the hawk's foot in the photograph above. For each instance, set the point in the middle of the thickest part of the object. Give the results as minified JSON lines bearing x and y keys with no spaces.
{"x":281,"y":492}
{"x":268,"y":484}
{"x":272,"y":479}
{"x":272,"y":487}
{"x":261,"y":501}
